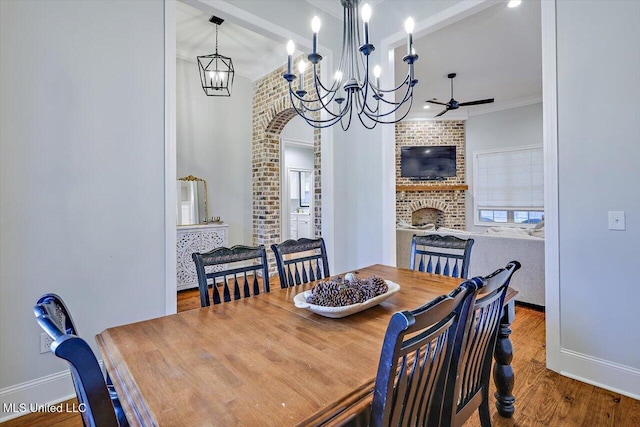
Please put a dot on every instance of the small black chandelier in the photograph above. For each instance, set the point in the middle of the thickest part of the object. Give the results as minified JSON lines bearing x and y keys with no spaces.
{"x":352,"y":87}
{"x":216,"y":71}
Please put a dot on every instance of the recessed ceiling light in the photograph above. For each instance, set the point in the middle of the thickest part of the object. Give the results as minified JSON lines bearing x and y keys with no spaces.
{"x":514,"y":3}
{"x":426,"y":107}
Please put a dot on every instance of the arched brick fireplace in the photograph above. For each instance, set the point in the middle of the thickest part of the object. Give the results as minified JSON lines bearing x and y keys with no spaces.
{"x":428,"y":212}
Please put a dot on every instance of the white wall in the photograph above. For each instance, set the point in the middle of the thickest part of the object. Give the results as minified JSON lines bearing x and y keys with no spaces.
{"x":511,"y":128}
{"x":358,"y":201}
{"x":82,"y":176}
{"x":298,"y":130}
{"x":298,"y":158}
{"x":214,"y":143}
{"x":598,"y":65}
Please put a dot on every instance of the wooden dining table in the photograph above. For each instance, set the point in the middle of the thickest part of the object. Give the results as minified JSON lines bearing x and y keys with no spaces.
{"x":262,"y":361}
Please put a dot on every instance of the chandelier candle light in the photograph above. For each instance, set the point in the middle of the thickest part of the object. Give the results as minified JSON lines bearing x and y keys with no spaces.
{"x":352,"y":88}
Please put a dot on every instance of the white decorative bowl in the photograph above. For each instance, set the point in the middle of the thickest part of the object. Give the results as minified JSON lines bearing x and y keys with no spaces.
{"x":300,"y":301}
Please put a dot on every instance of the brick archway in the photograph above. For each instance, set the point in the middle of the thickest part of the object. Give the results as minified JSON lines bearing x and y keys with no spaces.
{"x":271,"y":112}
{"x":430,"y":204}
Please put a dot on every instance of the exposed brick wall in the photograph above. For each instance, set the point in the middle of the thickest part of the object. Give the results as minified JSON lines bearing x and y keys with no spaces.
{"x":451,"y":203}
{"x":271,"y":112}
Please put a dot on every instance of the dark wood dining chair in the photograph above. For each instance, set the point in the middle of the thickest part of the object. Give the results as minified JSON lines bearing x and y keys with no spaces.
{"x":415,"y":362}
{"x":470,"y":390}
{"x":445,"y":255}
{"x":102,"y":405}
{"x":239,"y":264}
{"x":301,"y":261}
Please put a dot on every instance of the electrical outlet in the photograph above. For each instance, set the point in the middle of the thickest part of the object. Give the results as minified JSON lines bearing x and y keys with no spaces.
{"x":616,"y":220}
{"x":45,"y":343}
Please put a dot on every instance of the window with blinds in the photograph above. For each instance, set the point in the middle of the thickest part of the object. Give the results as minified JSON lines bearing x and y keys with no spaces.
{"x":509,"y":186}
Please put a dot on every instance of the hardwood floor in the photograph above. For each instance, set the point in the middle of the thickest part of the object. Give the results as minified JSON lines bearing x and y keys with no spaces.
{"x":544,"y":398}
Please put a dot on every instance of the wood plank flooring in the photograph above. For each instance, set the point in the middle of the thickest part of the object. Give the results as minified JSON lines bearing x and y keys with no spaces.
{"x":544,"y":398}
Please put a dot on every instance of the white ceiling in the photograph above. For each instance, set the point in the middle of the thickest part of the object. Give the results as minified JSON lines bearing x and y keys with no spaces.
{"x":334,"y":8}
{"x":252,"y":54}
{"x":496,"y":53}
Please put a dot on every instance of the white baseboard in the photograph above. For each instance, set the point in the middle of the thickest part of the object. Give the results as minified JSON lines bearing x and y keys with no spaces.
{"x":51,"y":389}
{"x":601,"y":373}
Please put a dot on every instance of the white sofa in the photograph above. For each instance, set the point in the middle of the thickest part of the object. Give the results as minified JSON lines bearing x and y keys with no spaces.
{"x":490,"y":252}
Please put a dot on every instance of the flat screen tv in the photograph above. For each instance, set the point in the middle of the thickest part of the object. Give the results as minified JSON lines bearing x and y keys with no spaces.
{"x":428,"y":162}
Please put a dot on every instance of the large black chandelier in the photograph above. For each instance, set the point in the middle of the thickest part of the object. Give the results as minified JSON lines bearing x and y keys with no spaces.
{"x":352,"y":88}
{"x":216,"y":71}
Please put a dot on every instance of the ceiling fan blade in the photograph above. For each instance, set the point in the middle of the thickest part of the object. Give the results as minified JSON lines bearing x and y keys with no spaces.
{"x":478,"y":102}
{"x":442,"y":112}
{"x":436,"y":102}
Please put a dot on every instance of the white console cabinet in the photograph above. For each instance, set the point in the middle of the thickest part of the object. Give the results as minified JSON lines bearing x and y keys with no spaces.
{"x":197,"y":238}
{"x":300,"y":225}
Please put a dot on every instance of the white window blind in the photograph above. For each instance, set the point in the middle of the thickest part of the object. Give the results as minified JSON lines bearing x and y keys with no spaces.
{"x":510,"y":179}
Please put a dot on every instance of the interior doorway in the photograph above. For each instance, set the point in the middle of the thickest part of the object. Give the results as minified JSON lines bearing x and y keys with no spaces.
{"x":297,"y":180}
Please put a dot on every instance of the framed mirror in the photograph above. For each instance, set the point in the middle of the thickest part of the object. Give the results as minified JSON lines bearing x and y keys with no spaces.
{"x":192,"y":201}
{"x":306,"y":185}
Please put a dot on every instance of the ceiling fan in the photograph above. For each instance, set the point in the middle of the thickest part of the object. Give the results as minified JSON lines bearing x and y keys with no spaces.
{"x":453,"y":104}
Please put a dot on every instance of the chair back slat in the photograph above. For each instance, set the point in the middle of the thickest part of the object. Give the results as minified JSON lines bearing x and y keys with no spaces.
{"x":215,"y":296}
{"x":415,"y":359}
{"x":427,"y":364}
{"x":301,"y":261}
{"x":232,"y":265}
{"x":236,"y":288}
{"x":473,"y":359}
{"x":289,"y":275}
{"x":446,"y":268}
{"x":256,"y":286}
{"x":312,"y":274}
{"x":225,"y":289}
{"x":295,"y":267}
{"x":485,"y":321}
{"x":305,"y":277}
{"x":451,"y":255}
{"x":245,"y":285}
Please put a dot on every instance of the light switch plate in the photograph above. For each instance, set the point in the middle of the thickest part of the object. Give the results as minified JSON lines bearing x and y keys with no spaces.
{"x":616,"y":220}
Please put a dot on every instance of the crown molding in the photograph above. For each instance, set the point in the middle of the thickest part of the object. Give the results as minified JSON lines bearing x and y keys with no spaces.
{"x":297,"y":143}
{"x":465,"y":113}
{"x":505,"y":105}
